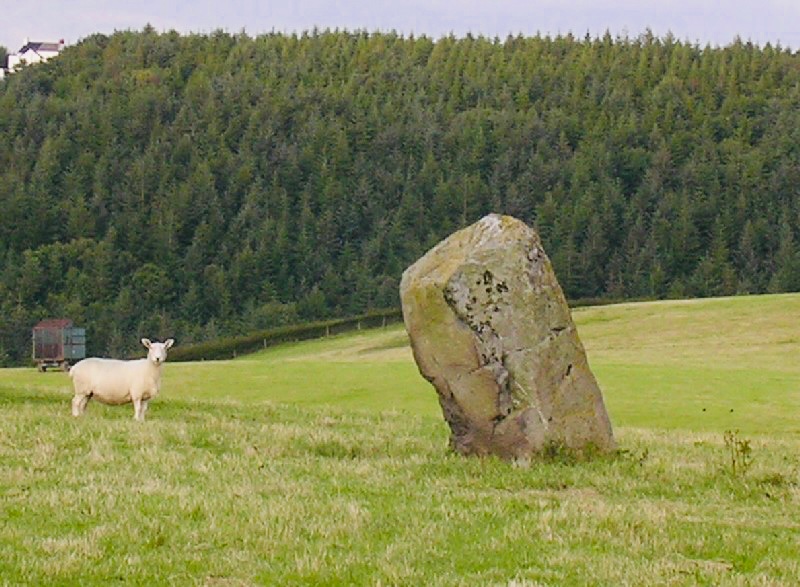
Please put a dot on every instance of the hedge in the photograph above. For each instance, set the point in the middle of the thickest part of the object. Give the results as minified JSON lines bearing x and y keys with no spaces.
{"x":231,"y":347}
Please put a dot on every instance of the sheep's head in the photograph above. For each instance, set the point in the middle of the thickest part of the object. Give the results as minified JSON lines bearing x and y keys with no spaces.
{"x":157,"y":351}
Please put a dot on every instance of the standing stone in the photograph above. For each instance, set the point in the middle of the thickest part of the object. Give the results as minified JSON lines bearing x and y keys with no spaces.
{"x":491,"y":330}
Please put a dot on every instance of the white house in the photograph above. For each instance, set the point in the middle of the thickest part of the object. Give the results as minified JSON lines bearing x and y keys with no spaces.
{"x":33,"y":52}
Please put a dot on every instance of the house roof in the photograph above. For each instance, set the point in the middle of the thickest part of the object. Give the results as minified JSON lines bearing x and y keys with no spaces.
{"x":54,"y":323}
{"x":39,"y":46}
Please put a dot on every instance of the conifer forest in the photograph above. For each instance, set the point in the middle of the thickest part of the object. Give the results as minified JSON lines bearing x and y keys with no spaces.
{"x":197,"y":186}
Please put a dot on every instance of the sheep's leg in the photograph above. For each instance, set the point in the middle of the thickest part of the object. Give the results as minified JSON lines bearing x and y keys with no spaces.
{"x":138,"y":414}
{"x":79,"y":404}
{"x":145,"y":405}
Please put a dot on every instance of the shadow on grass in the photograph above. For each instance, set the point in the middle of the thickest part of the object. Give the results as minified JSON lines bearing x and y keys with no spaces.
{"x":16,"y":397}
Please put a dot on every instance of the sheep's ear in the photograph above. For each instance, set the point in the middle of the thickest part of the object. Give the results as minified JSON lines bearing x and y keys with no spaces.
{"x":168,"y":343}
{"x":146,"y":342}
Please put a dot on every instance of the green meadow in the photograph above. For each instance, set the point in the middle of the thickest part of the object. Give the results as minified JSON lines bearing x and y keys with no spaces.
{"x":326,"y":463}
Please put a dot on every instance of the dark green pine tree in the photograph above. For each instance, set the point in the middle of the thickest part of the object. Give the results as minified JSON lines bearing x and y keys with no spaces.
{"x":260,"y":181}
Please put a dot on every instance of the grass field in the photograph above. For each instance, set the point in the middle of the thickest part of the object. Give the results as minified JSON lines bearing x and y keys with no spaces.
{"x":326,"y":462}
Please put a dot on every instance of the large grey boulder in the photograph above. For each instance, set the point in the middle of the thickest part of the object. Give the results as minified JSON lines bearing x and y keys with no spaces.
{"x":491,"y":330}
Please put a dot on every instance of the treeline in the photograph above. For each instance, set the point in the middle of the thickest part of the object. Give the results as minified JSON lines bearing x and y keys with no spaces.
{"x":206,"y":186}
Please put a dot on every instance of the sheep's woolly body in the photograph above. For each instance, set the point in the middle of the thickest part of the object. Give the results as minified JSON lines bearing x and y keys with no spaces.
{"x":111,"y":381}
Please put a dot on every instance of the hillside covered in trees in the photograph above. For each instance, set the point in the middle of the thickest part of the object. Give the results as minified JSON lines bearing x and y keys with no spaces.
{"x":193,"y":186}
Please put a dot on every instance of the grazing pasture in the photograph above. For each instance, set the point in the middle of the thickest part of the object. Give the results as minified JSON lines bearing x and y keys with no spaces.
{"x":326,"y":462}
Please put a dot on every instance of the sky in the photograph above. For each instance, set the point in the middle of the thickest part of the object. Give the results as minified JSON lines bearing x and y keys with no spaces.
{"x":714,"y":22}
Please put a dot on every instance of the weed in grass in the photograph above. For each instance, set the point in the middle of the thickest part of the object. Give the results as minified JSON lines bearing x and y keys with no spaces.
{"x":635,"y":457}
{"x":740,"y":453}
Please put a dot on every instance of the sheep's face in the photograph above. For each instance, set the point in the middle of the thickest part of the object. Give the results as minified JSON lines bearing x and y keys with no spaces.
{"x":157,"y":351}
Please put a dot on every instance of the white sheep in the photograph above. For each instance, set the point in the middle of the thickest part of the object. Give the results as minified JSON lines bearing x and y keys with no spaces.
{"x":115,"y":382}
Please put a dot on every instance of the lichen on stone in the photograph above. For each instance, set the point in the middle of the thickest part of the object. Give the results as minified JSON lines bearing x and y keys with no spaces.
{"x":490,"y":328}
